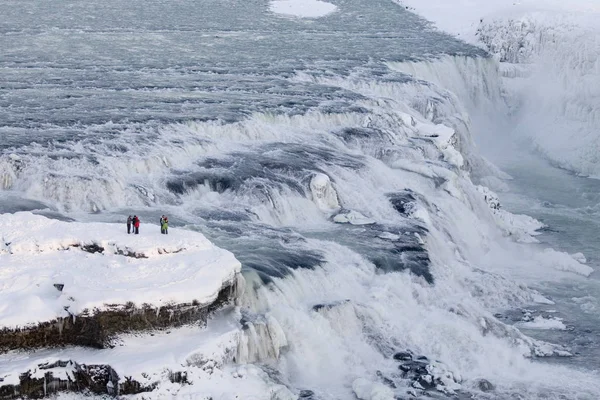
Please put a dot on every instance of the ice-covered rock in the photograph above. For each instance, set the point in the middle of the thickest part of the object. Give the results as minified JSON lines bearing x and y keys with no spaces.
{"x":484,"y":385}
{"x":579,"y":257}
{"x":262,"y":339}
{"x":427,"y":375}
{"x":541,"y":323}
{"x":352,"y":217}
{"x":323,"y":193}
{"x":522,"y":228}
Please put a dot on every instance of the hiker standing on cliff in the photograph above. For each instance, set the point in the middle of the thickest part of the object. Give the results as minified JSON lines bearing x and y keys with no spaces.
{"x":129,"y":222}
{"x":164,"y":225}
{"x":136,"y":224}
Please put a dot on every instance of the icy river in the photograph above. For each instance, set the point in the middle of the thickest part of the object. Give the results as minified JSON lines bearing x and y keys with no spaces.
{"x":346,"y":186}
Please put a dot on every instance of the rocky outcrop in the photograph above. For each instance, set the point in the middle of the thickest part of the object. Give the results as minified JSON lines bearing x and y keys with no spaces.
{"x":98,"y":329}
{"x":60,"y":376}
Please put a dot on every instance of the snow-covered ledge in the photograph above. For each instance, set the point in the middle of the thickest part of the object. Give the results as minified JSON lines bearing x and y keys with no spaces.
{"x":82,"y":283}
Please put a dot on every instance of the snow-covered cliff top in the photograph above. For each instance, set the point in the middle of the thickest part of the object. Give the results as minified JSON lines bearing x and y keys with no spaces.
{"x":99,"y":265}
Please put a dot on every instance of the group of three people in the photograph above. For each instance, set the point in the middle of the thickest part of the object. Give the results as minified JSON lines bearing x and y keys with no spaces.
{"x":134,"y":222}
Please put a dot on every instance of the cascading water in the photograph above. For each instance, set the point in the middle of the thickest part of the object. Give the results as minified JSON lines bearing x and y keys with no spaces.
{"x":319,"y":162}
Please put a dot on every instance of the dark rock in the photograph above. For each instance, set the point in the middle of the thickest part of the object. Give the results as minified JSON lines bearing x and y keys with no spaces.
{"x":99,"y":379}
{"x":329,"y":306}
{"x":92,"y":248}
{"x":403,"y":356}
{"x":404,"y":202}
{"x":426,"y":381}
{"x":306,"y":394}
{"x":178,"y":377}
{"x":129,"y":253}
{"x":59,"y":286}
{"x":485,"y":386}
{"x":422,"y":358}
{"x":413,"y":369}
{"x":96,"y":379}
{"x":95,"y":248}
{"x":98,"y":329}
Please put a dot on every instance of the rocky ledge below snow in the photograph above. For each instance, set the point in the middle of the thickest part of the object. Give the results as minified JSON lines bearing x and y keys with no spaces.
{"x":141,"y":362}
{"x":83,"y":283}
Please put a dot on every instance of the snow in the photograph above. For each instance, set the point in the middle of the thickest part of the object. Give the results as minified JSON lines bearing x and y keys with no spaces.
{"x":323,"y":193}
{"x":580,"y":257}
{"x":550,"y":55}
{"x":563,"y":261}
{"x":522,"y":228}
{"x":302,"y":8}
{"x":204,"y":355}
{"x":462,"y":17}
{"x":352,"y":217}
{"x":38,"y":252}
{"x":538,"y":298}
{"x":542,"y":323}
{"x":143,"y":357}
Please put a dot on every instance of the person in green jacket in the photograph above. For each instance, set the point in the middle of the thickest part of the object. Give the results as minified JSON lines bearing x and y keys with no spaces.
{"x":164,"y":227}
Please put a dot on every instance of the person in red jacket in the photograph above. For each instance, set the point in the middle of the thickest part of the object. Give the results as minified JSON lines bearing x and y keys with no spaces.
{"x":136,"y":224}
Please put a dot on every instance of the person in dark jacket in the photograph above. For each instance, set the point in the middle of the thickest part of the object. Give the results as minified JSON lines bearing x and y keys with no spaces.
{"x":162,"y":221}
{"x":136,"y":224}
{"x":129,"y":222}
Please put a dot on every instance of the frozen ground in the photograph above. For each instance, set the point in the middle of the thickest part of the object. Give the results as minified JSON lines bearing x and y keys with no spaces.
{"x":150,"y":268}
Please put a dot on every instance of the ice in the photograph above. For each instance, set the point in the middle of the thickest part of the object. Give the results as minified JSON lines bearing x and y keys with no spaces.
{"x":565,"y":262}
{"x":366,"y":390}
{"x":538,"y":298}
{"x":522,"y":228}
{"x":302,"y":8}
{"x":149,"y":268}
{"x":580,"y":257}
{"x":352,"y":217}
{"x":540,"y":322}
{"x":549,"y":54}
{"x":324,"y":193}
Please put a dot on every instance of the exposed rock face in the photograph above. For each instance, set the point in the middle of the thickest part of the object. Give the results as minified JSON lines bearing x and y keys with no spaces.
{"x":98,"y":329}
{"x":70,"y":376}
